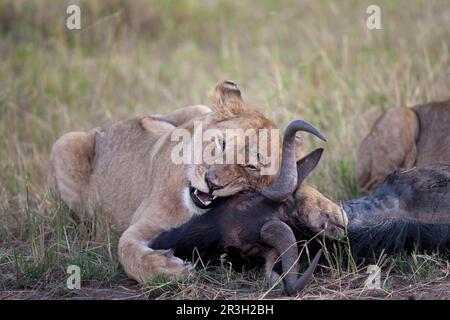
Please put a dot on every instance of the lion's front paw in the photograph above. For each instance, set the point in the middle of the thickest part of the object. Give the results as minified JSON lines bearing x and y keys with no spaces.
{"x":165,"y":263}
{"x":321,"y":214}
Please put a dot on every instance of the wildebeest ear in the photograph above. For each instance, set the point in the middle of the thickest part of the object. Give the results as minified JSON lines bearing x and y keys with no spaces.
{"x":306,"y":164}
{"x":226,"y":100}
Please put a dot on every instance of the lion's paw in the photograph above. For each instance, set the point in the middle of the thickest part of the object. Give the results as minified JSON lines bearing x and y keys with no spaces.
{"x":165,"y":263}
{"x":322,"y":215}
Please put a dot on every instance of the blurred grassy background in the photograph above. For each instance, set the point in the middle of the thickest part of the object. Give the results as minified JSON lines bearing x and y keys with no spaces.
{"x":296,"y":59}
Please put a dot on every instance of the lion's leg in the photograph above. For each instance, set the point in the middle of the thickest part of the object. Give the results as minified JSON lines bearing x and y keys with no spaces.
{"x":70,"y":169}
{"x":142,"y":263}
{"x":319,"y":213}
{"x":182,"y":115}
{"x":139,"y":261}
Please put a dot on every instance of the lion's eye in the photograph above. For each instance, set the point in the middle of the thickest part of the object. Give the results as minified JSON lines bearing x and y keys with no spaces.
{"x":252,"y":167}
{"x":220,"y":144}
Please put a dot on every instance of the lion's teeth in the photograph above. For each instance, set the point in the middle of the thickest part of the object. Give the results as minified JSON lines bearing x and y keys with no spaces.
{"x":196,"y":191}
{"x":214,"y":198}
{"x":207,"y":203}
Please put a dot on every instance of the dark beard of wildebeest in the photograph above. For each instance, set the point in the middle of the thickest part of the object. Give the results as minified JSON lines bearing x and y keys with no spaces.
{"x":254,"y":225}
{"x":409,"y":211}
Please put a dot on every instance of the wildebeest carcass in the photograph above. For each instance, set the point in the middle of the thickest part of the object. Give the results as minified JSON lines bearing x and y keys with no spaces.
{"x":254,"y":225}
{"x":411,"y":209}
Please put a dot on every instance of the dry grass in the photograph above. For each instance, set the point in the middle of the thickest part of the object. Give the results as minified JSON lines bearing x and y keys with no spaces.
{"x":303,"y":59}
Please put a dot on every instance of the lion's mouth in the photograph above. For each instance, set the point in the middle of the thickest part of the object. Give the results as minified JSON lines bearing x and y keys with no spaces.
{"x":201,"y":199}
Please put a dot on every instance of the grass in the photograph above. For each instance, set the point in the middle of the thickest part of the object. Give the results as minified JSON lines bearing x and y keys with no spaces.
{"x":310,"y":59}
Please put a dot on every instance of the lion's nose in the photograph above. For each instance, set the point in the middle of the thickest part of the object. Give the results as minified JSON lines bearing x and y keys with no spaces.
{"x":211,"y":181}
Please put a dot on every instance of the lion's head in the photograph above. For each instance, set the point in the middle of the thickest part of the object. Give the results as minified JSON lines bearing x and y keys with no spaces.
{"x":240,"y":151}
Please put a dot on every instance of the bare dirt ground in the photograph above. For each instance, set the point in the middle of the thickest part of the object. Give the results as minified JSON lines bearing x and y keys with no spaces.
{"x":322,"y":287}
{"x":126,"y":291}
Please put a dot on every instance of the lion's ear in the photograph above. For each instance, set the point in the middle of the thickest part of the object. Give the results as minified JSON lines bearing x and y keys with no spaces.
{"x":226,"y":100}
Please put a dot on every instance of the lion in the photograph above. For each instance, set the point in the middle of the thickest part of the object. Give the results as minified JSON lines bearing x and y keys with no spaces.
{"x":127,"y":169}
{"x":404,"y":138}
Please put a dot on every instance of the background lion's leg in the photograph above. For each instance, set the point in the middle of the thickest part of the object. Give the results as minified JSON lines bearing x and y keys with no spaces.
{"x":143,"y":263}
{"x":182,"y":115}
{"x":70,"y":169}
{"x":318,"y":212}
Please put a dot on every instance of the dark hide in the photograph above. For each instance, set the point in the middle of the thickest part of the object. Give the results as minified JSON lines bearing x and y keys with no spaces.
{"x":410,"y":210}
{"x":398,"y":236}
{"x":251,"y":227}
{"x":231,"y":228}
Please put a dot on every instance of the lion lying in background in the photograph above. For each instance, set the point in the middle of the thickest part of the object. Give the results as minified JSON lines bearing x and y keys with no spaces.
{"x":404,"y":138}
{"x":126,"y":168}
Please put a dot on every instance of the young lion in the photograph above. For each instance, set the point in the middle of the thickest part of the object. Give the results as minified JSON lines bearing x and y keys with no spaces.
{"x":127,"y":168}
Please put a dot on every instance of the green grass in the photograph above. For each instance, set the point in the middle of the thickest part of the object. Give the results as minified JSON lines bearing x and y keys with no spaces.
{"x":310,"y":59}
{"x":40,"y":252}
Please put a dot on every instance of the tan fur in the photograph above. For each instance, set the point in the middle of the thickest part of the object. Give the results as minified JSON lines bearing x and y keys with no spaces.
{"x":404,"y":137}
{"x":127,"y":169}
{"x":70,"y":160}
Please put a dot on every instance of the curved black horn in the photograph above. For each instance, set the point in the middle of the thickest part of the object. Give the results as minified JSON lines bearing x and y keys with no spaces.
{"x":280,"y":236}
{"x":286,"y":183}
{"x":301,"y":283}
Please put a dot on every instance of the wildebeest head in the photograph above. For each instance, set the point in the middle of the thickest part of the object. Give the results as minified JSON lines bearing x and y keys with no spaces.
{"x":252,"y":225}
